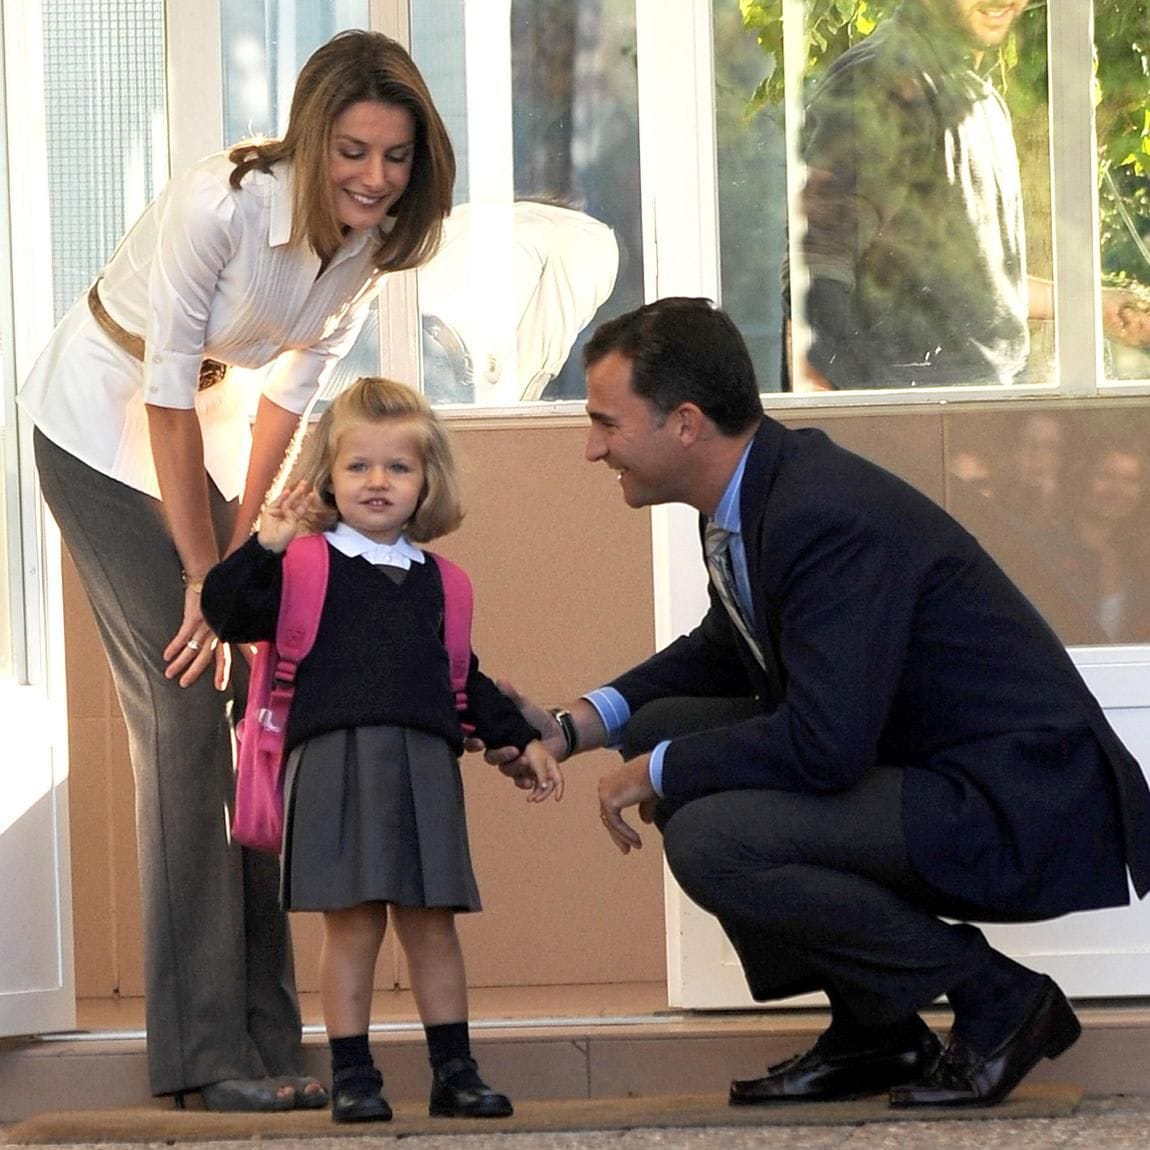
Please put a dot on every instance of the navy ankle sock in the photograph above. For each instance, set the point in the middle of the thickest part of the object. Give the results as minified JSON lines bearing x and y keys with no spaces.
{"x":352,"y":1067}
{"x":450,"y":1042}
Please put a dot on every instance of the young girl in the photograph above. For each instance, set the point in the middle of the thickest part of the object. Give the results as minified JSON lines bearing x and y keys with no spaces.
{"x":375,"y":822}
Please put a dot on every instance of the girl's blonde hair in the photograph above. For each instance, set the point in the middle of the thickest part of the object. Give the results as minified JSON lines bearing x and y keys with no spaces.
{"x":372,"y":399}
{"x":351,"y":67}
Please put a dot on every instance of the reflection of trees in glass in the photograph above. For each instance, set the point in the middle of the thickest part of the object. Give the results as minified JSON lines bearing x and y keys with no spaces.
{"x":1122,"y":36}
{"x":576,"y":134}
{"x":751,"y":162}
{"x":1122,"y":44}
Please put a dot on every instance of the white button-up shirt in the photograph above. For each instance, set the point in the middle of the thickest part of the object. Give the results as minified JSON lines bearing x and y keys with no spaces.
{"x":207,"y":270}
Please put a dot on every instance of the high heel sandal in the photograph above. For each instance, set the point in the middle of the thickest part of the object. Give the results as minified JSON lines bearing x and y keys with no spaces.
{"x":246,"y":1094}
{"x":305,"y":1099}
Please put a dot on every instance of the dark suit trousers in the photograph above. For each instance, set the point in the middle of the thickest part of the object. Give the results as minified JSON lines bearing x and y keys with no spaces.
{"x":814,"y":891}
{"x":219,"y":985}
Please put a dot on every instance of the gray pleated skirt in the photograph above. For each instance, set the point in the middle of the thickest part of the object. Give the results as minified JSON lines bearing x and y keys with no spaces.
{"x":375,"y":814}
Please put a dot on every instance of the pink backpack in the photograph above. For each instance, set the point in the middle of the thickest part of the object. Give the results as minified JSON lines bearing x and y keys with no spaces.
{"x":258,"y":820}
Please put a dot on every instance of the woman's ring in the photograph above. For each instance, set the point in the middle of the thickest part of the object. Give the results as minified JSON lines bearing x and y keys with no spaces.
{"x":192,"y":645}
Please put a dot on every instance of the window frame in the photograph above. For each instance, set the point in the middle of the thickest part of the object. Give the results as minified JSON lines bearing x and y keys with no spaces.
{"x":679,"y":193}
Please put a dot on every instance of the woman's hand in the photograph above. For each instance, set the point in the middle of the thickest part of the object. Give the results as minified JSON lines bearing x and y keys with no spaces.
{"x":194,"y":647}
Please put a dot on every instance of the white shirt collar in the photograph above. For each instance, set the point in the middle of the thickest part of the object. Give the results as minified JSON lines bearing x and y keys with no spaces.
{"x":350,"y":542}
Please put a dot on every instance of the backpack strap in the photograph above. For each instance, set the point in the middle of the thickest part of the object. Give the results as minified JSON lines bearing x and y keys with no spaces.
{"x":301,"y":601}
{"x":458,"y":606}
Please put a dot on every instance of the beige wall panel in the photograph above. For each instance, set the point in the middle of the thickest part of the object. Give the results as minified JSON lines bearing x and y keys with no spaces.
{"x":93,"y":902}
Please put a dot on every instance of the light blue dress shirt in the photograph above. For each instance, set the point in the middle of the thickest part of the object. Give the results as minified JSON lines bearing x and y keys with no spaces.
{"x":611,"y":706}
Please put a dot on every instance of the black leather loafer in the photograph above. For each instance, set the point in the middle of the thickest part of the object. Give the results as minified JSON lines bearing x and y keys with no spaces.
{"x":817,"y":1076}
{"x":965,"y":1078}
{"x":476,"y":1101}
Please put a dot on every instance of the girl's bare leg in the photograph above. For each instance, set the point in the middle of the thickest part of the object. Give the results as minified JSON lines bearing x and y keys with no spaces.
{"x":439,"y":983}
{"x":351,"y":941}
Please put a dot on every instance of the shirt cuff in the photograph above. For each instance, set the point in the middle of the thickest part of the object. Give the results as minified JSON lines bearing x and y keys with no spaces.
{"x":655,"y":766}
{"x":613,"y":710}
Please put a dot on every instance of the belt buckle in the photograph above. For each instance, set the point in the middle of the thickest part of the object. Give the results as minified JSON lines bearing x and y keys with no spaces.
{"x":211,"y":373}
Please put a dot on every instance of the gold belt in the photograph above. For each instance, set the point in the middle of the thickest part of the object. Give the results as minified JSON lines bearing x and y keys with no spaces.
{"x":211,"y":370}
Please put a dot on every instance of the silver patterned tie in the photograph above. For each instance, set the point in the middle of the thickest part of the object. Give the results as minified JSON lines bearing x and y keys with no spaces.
{"x":716,"y":547}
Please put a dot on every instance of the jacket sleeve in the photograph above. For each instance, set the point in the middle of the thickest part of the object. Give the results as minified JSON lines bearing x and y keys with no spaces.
{"x":847,"y":568}
{"x":703,"y":663}
{"x":241,"y":595}
{"x":496,"y":718}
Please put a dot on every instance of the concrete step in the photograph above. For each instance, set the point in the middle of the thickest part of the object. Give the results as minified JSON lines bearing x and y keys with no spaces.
{"x":621,"y":1044}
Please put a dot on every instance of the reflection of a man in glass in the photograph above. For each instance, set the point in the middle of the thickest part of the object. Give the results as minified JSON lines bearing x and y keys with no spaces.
{"x":914,"y":241}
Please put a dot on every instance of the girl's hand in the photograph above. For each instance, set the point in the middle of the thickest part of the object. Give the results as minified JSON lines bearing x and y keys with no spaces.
{"x":194,"y":647}
{"x":548,"y":778}
{"x":285,"y":517}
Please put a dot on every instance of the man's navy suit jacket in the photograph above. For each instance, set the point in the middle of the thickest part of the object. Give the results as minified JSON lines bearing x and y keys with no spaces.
{"x":894,"y":639}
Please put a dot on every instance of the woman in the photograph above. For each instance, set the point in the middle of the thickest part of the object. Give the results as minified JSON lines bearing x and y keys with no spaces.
{"x":268,"y":255}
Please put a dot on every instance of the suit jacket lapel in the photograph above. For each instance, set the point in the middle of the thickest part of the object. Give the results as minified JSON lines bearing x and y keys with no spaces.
{"x":758,"y":479}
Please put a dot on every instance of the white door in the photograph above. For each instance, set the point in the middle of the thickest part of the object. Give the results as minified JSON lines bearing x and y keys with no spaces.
{"x":36,"y":979}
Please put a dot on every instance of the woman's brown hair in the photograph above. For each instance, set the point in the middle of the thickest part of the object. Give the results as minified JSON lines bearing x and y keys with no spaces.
{"x":351,"y":67}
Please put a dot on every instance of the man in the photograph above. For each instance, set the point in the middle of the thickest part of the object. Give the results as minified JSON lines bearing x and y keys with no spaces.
{"x":871,"y":729}
{"x":915,"y":243}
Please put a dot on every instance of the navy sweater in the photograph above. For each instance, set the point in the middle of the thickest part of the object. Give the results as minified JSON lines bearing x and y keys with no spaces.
{"x":378,"y":657}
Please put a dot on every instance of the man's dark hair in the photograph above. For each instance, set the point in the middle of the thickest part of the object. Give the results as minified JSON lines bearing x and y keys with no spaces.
{"x":684,"y":350}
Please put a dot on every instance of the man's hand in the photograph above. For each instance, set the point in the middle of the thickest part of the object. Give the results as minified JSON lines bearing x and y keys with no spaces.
{"x":626,"y":786}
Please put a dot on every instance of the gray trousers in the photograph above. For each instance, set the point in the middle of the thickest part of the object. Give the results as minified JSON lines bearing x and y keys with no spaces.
{"x":815,"y":891}
{"x":220,"y":989}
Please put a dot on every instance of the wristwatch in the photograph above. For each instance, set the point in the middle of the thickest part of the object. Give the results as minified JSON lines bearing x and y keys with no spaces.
{"x":566,"y":723}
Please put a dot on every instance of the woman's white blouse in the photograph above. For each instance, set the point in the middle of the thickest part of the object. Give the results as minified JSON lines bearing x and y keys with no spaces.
{"x":207,"y":270}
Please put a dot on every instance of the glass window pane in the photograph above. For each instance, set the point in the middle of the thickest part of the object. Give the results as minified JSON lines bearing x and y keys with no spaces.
{"x":545,"y":241}
{"x":919,"y":179}
{"x":265,"y":44}
{"x":751,"y":156}
{"x":107,"y":157}
{"x":1122,"y":118}
{"x":1060,"y":499}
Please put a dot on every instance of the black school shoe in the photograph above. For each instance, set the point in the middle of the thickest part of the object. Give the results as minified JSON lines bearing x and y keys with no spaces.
{"x":356,"y":1097}
{"x":476,"y":1100}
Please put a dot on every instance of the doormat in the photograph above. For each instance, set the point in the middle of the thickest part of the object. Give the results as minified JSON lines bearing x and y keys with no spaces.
{"x":143,"y":1124}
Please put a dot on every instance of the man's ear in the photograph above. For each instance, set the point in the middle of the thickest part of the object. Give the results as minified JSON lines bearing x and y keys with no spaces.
{"x":689,"y":423}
